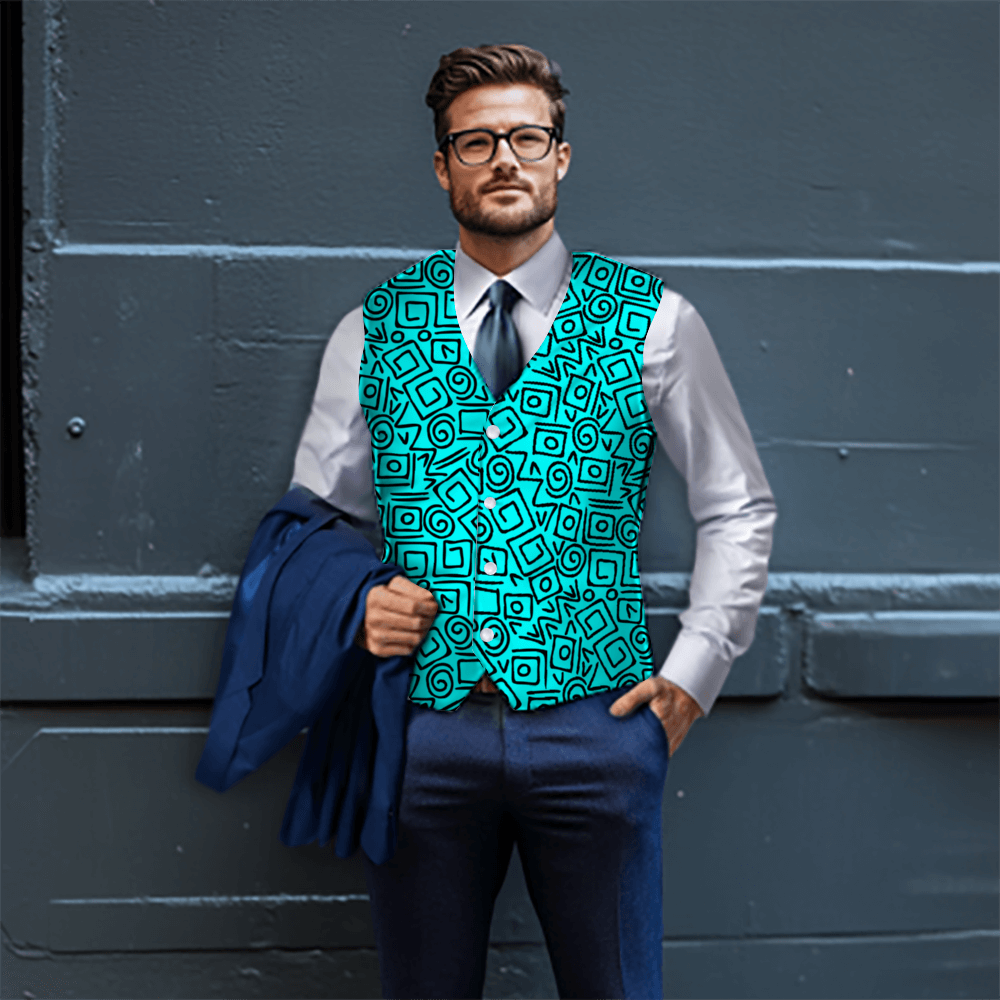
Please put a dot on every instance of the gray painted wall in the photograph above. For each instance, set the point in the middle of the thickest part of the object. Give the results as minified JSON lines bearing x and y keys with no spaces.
{"x":210,"y":187}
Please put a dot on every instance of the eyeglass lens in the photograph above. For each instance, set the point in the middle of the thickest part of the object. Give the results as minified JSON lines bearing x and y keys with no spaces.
{"x":528,"y":143}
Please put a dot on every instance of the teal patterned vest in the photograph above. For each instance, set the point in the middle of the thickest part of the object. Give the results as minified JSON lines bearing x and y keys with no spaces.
{"x":522,"y":517}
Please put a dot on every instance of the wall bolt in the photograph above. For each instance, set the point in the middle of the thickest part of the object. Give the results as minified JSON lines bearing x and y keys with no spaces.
{"x":76,"y":426}
{"x":843,"y":453}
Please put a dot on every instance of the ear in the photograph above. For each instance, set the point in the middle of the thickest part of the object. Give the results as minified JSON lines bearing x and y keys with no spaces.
{"x":441,"y":169}
{"x":563,"y":153}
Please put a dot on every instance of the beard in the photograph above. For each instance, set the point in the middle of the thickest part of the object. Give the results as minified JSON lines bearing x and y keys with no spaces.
{"x":501,"y":222}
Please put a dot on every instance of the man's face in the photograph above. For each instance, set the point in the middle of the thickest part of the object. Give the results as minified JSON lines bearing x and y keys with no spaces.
{"x":504,"y":197}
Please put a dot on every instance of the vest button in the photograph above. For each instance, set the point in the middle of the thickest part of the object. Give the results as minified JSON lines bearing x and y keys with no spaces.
{"x":493,"y":432}
{"x":490,"y":568}
{"x":486,"y":635}
{"x":489,"y":503}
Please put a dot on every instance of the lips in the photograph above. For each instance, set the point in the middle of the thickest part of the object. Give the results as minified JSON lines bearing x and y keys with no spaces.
{"x":505,"y":187}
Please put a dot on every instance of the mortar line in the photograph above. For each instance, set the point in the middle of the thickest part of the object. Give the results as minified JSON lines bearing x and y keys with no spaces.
{"x":231,"y":251}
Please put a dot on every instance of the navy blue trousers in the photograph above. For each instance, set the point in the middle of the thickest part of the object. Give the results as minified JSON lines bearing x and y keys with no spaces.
{"x":580,"y":793}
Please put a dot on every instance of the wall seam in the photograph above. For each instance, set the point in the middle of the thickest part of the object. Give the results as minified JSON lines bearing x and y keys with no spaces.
{"x":230,"y":251}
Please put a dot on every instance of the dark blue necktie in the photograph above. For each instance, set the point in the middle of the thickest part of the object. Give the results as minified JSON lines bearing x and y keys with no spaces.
{"x":498,"y":350}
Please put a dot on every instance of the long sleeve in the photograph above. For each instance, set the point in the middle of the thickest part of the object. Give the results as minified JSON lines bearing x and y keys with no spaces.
{"x":334,"y":457}
{"x":700,"y":425}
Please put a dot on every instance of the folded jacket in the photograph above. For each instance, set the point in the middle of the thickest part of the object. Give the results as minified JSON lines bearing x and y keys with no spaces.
{"x":290,"y":661}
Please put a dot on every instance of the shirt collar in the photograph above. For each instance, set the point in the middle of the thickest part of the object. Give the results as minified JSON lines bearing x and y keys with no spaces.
{"x":537,"y":280}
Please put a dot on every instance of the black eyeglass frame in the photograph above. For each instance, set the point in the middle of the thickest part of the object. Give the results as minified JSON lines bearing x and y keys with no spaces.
{"x":449,"y":140}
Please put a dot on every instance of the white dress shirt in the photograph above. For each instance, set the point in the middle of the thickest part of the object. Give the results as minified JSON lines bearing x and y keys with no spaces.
{"x":697,"y":419}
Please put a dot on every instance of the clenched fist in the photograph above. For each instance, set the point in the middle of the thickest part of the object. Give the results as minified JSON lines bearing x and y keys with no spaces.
{"x":397,"y":617}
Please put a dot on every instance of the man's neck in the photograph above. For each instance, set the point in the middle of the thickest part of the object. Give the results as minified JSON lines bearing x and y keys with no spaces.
{"x":501,"y":254}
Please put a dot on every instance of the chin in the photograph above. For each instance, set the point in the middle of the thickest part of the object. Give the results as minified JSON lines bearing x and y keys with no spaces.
{"x":505,"y":220}
{"x":517,"y":217}
{"x":509,"y":227}
{"x":513,"y":220}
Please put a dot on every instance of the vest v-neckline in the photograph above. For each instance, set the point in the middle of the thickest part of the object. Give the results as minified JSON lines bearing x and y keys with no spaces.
{"x":545,"y":340}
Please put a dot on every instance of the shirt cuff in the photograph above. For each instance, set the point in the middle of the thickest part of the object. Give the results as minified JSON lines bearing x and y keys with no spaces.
{"x":696,"y":665}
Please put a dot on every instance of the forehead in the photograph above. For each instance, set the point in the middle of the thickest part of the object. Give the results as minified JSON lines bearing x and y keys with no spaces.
{"x":499,"y":106}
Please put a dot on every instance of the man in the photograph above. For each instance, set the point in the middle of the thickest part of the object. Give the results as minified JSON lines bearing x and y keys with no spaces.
{"x":494,"y":408}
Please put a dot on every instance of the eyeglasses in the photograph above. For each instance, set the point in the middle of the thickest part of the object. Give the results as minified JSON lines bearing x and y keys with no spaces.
{"x":476,"y":146}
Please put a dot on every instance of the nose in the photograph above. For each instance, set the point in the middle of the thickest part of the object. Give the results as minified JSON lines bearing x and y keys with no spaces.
{"x":504,"y":155}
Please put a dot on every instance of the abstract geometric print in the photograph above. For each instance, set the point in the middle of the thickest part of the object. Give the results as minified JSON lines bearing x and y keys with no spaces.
{"x":522,"y":517}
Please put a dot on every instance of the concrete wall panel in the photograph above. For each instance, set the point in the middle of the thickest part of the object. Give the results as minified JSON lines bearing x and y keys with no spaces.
{"x":725,"y":128}
{"x":129,"y":350}
{"x":912,"y":967}
{"x":783,"y":802}
{"x":196,"y":377}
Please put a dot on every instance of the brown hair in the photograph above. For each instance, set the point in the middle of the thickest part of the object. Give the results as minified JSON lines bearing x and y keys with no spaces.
{"x":466,"y":68}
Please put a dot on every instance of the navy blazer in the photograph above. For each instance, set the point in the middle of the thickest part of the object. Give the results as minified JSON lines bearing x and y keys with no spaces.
{"x":290,"y":661}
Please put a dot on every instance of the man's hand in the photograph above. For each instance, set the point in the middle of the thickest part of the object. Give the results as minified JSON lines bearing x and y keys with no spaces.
{"x":397,"y":617}
{"x":674,"y":707}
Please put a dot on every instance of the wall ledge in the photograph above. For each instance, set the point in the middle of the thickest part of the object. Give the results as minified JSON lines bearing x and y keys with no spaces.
{"x":797,"y":592}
